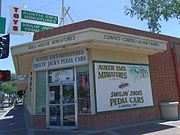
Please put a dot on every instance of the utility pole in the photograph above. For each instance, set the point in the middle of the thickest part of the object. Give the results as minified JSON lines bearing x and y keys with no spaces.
{"x":64,"y":12}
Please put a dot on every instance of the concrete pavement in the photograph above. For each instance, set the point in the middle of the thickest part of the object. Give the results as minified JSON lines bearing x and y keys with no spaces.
{"x":148,"y":128}
{"x":16,"y":122}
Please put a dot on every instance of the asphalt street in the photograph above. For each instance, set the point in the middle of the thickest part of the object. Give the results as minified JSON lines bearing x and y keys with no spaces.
{"x":13,"y":122}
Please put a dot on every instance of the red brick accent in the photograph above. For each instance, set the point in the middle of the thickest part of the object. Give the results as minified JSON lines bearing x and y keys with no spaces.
{"x":115,"y":119}
{"x":163,"y":76}
{"x":176,"y":50}
{"x":38,"y":121}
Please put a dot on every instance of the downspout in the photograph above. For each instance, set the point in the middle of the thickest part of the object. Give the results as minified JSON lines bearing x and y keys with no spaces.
{"x":174,"y":57}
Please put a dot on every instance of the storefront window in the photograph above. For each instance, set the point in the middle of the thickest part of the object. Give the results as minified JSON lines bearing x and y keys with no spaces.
{"x":40,"y":92}
{"x":83,"y":88}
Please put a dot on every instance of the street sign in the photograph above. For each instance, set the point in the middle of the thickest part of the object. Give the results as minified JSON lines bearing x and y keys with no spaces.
{"x":2,"y":25}
{"x":29,"y":15}
{"x":26,"y":22}
{"x":29,"y":27}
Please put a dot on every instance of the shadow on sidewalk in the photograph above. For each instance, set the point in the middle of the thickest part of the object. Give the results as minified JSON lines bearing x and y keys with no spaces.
{"x":149,"y":128}
{"x":140,"y":129}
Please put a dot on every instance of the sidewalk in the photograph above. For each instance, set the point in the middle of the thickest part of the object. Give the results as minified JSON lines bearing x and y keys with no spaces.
{"x":148,"y":128}
{"x":16,"y":122}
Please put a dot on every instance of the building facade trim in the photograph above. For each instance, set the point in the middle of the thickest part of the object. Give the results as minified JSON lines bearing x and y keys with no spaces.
{"x":119,"y":39}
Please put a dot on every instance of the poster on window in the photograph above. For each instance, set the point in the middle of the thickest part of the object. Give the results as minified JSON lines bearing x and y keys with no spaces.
{"x":122,"y":86}
{"x":51,"y":95}
{"x":65,"y":75}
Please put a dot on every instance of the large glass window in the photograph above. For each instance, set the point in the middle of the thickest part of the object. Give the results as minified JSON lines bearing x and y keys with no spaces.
{"x":40,"y":92}
{"x":83,"y":88}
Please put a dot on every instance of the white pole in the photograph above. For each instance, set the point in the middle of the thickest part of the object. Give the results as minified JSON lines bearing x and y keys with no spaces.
{"x":62,"y":14}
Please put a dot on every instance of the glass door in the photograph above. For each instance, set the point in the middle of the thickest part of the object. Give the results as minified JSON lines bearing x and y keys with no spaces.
{"x":68,"y":105}
{"x":54,"y":106}
{"x":62,"y":106}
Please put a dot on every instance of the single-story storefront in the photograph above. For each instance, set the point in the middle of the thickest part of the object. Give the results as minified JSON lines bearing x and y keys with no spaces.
{"x":92,"y":74}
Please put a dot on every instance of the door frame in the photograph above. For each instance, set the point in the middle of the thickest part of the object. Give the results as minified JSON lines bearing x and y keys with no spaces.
{"x":75,"y":102}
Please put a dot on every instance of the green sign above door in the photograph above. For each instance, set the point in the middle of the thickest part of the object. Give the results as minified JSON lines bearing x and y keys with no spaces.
{"x":29,"y":15}
{"x":29,"y":27}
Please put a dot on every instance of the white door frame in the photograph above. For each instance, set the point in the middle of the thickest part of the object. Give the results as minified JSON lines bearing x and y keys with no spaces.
{"x":75,"y":102}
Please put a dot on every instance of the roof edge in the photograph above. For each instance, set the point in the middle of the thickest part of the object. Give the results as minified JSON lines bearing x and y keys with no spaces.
{"x":100,"y":25}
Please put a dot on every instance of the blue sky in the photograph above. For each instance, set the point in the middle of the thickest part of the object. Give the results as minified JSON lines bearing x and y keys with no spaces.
{"x":107,"y":11}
